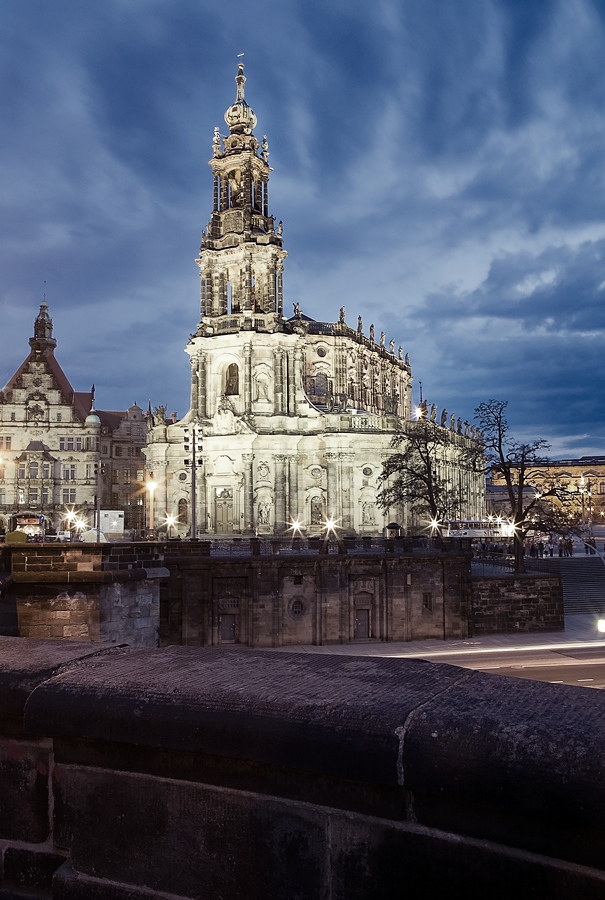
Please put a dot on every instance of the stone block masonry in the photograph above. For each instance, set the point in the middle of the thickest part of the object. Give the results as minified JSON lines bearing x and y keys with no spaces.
{"x":191,"y":773}
{"x":86,"y":593}
{"x":512,"y":605}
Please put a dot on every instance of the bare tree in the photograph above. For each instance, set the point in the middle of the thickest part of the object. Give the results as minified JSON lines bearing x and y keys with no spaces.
{"x":515,"y":462}
{"x":419,"y":470}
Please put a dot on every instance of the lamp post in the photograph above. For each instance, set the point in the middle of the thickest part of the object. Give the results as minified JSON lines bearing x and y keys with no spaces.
{"x":192,"y":443}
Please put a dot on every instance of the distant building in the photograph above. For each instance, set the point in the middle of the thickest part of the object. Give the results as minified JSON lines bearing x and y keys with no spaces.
{"x":290,"y":418}
{"x":582,"y":478}
{"x":52,"y":442}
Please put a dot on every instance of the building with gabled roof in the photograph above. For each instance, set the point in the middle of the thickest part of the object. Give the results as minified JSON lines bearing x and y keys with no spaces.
{"x":53,"y":441}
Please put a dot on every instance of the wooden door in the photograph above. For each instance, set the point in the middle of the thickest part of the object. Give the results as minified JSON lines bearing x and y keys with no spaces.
{"x":228,"y":629}
{"x":362,"y":623}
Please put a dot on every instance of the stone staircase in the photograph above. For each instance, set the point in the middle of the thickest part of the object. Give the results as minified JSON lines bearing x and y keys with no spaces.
{"x":582,"y":578}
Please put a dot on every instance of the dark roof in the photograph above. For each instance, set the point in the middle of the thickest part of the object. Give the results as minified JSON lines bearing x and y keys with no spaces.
{"x":111,"y":418}
{"x":80,"y":400}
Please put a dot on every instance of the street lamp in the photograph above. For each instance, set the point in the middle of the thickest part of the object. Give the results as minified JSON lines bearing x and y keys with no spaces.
{"x":192,"y":443}
{"x":151,"y":486}
{"x":170,"y":522}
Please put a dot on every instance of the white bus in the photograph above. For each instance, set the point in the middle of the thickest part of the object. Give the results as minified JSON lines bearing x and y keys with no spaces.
{"x":495,"y":529}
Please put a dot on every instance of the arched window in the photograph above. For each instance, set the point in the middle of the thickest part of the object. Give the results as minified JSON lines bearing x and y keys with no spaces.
{"x":316,"y":511}
{"x":183,"y":511}
{"x":232,"y":380}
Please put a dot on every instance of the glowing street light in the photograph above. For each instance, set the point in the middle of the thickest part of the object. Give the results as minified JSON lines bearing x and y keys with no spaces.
{"x":170,"y":522}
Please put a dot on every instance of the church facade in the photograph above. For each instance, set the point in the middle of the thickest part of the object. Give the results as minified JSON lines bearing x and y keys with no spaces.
{"x":290,"y":418}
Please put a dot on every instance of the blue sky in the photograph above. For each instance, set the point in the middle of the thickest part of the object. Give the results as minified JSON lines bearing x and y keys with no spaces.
{"x":439,"y":167}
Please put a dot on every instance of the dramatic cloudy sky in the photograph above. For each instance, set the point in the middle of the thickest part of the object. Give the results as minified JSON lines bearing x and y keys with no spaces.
{"x":439,"y":169}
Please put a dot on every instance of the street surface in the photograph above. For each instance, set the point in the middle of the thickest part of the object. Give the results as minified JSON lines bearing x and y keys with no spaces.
{"x":575,"y":656}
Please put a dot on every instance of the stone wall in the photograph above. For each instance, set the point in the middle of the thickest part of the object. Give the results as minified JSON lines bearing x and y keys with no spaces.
{"x":293,"y":598}
{"x":84,"y":592}
{"x":524,"y":603}
{"x":195,"y":773}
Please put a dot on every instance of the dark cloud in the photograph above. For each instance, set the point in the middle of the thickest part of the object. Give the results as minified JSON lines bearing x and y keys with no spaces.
{"x":438,"y":168}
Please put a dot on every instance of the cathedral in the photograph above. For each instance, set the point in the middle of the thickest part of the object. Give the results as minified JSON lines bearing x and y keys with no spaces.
{"x":290,"y":418}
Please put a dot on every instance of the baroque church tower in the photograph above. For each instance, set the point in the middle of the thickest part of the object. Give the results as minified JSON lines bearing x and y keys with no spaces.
{"x":291,"y":417}
{"x":241,"y":257}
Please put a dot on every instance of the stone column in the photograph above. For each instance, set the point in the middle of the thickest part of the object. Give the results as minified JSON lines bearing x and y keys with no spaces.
{"x":266,"y":199}
{"x":248,"y":459}
{"x":346,"y":491}
{"x":280,"y":289}
{"x":202,"y":386}
{"x":271,"y":286}
{"x":194,"y":393}
{"x":280,"y":493}
{"x":224,"y":192}
{"x":201,"y":493}
{"x":216,"y":189}
{"x":247,"y":377}
{"x":333,"y":508}
{"x":293,"y":369}
{"x":295,"y":511}
{"x":278,"y":371}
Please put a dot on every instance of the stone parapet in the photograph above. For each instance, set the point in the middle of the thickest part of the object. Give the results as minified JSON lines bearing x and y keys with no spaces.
{"x":190,"y":772}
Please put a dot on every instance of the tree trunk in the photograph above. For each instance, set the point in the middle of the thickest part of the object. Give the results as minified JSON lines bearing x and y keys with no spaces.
{"x":519,"y":553}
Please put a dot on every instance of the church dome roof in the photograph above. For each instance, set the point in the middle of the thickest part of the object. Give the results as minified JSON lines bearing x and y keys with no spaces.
{"x":240,"y":117}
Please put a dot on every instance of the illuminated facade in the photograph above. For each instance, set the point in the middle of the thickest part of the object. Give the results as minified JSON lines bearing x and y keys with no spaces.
{"x":52,"y":442}
{"x":292,"y":416}
{"x":582,"y":478}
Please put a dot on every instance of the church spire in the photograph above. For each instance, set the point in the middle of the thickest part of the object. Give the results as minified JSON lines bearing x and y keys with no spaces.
{"x":239,"y":117}
{"x":43,"y":339}
{"x":241,"y":256}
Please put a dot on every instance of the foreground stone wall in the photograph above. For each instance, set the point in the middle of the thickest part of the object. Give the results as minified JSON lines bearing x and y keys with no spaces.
{"x":525,"y":603}
{"x":207,"y":773}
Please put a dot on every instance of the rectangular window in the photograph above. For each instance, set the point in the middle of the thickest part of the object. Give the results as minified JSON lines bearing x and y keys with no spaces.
{"x":33,"y":470}
{"x":2,"y":473}
{"x":69,"y":473}
{"x":21,"y":496}
{"x":602,"y":487}
{"x":127,"y":476}
{"x":44,"y":496}
{"x":61,"y":443}
{"x":7,"y":441}
{"x":21,"y":470}
{"x":89,"y":470}
{"x":115,"y":500}
{"x":13,"y":417}
{"x":32,"y":496}
{"x":1,"y":442}
{"x":140,"y":475}
{"x":70,"y":443}
{"x":45,"y":470}
{"x":59,"y":417}
{"x":118,"y":451}
{"x":78,"y":443}
{"x":427,"y":601}
{"x":69,"y":495}
{"x":2,"y":496}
